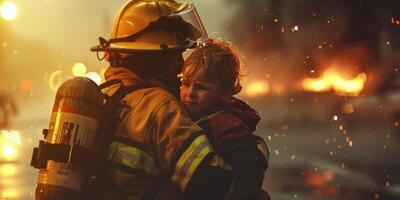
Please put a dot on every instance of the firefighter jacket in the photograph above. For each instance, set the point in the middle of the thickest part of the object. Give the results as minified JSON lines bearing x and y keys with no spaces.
{"x":230,"y":126}
{"x":157,"y":145}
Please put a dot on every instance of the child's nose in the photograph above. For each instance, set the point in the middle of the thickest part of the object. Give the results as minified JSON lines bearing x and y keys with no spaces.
{"x":191,"y":92}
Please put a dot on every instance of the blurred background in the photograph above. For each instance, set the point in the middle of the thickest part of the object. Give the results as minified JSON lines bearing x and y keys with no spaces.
{"x":323,"y":74}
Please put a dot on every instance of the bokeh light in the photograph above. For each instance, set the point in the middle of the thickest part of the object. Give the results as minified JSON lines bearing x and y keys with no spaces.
{"x":8,"y":10}
{"x":7,"y":170}
{"x":79,"y":69}
{"x":94,"y":77}
{"x":9,"y":193}
{"x":12,"y":136}
{"x":55,"y":80}
{"x":8,"y":152}
{"x":26,"y":85}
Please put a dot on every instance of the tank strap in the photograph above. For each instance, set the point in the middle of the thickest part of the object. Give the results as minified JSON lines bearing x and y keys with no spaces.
{"x":109,"y":123}
{"x":63,"y":153}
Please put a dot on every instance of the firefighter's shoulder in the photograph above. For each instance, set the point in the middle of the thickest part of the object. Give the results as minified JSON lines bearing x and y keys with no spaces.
{"x":151,"y":98}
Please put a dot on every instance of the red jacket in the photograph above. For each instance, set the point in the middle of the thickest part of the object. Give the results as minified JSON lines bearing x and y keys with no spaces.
{"x":230,"y":128}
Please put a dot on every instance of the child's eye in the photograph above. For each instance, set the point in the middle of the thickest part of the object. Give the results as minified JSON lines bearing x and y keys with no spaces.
{"x":202,"y":87}
{"x":184,"y":83}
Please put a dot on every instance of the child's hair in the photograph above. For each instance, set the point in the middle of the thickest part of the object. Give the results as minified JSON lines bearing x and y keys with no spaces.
{"x":221,"y":62}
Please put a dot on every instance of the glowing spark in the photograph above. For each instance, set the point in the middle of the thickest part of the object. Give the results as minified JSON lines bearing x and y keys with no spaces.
{"x":8,"y":10}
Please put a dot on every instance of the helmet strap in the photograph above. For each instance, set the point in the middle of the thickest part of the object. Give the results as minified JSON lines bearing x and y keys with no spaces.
{"x":115,"y":59}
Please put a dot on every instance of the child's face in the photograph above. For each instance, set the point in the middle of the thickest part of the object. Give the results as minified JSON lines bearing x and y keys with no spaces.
{"x":199,"y":94}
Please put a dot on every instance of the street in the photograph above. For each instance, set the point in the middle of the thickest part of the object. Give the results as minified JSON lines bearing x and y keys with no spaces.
{"x":309,"y":163}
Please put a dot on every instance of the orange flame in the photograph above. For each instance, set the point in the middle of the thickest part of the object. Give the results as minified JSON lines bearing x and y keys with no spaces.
{"x":258,"y":88}
{"x":316,"y":85}
{"x":331,"y":79}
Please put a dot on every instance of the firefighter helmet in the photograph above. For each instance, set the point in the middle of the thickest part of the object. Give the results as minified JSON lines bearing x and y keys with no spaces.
{"x":153,"y":25}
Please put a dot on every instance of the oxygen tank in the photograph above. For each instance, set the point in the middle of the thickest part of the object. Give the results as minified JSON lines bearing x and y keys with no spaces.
{"x":64,"y":155}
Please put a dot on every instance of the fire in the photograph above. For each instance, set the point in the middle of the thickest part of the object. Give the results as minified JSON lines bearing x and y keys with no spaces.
{"x":331,"y":79}
{"x":257,"y":88}
{"x":317,"y":85}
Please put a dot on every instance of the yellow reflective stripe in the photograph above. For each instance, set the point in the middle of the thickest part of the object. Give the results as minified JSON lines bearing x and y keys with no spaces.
{"x":133,"y":157}
{"x":190,"y":160}
{"x":264,"y":149}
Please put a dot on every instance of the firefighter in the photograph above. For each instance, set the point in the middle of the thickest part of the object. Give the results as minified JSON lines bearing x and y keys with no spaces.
{"x":7,"y":109}
{"x":157,"y":151}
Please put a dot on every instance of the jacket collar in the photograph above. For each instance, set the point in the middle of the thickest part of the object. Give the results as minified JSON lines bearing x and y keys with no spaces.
{"x":130,"y":78}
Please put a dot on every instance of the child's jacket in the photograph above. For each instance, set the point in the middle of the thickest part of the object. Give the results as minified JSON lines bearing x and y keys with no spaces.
{"x":230,"y":128}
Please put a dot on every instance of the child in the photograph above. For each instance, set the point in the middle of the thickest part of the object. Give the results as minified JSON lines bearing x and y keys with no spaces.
{"x":211,"y":76}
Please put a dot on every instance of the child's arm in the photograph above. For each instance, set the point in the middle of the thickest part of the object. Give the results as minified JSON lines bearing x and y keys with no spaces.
{"x":249,"y":166}
{"x":238,"y":147}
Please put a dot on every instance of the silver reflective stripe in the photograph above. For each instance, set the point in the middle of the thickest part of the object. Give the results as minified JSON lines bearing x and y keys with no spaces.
{"x":190,"y":160}
{"x":218,"y":162}
{"x":132,"y":157}
{"x":264,"y":149}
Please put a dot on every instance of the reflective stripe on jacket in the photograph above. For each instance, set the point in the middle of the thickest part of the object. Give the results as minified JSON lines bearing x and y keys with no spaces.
{"x":262,"y":146}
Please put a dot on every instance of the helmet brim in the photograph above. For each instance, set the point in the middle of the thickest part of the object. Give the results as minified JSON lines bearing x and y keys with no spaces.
{"x":123,"y":47}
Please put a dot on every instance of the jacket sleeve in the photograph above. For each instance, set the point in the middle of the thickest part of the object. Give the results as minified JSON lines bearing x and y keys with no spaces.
{"x":240,"y":149}
{"x":183,"y":151}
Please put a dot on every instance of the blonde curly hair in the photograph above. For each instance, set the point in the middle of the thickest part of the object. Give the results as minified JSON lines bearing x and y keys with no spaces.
{"x":222,"y":62}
